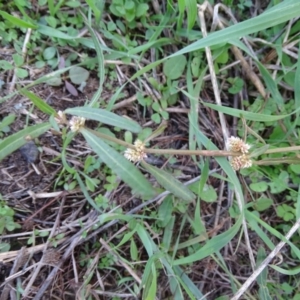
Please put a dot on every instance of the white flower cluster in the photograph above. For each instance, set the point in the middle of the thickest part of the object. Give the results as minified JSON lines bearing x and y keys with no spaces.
{"x":137,"y":154}
{"x":76,"y":123}
{"x":235,"y":144}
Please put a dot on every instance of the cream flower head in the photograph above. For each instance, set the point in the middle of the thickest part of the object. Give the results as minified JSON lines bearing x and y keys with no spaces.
{"x":235,"y":144}
{"x":240,"y":162}
{"x":76,"y":123}
{"x":138,"y":154}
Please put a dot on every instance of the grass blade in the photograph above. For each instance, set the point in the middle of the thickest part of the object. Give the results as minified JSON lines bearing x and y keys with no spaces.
{"x":17,"y":21}
{"x":246,"y":114}
{"x":38,"y":102}
{"x":17,"y":140}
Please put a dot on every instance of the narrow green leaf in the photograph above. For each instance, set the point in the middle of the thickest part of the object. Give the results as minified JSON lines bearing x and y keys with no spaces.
{"x":134,"y":253}
{"x":85,"y":192}
{"x":188,"y":282}
{"x":153,"y":287}
{"x":170,"y":183}
{"x":262,"y":277}
{"x":168,"y":232}
{"x":297,"y":85}
{"x":149,"y":245}
{"x":191,"y":6}
{"x":245,"y":114}
{"x":7,"y":121}
{"x":52,"y":32}
{"x":17,"y":21}
{"x":100,"y":59}
{"x":212,"y":246}
{"x":17,"y":140}
{"x":40,"y":103}
{"x":120,"y":165}
{"x":105,"y":117}
{"x":127,"y":237}
{"x":259,"y":151}
{"x":97,"y":12}
{"x":271,"y":85}
{"x":292,"y":272}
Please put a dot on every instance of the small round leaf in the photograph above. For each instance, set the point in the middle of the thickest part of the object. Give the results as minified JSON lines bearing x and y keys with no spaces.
{"x":78,"y":75}
{"x":174,"y":67}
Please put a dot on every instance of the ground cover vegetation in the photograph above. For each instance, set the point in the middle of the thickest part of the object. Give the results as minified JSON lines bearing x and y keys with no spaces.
{"x":149,"y":149}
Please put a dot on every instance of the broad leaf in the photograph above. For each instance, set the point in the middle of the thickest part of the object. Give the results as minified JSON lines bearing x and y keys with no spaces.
{"x":78,"y":75}
{"x":174,"y":67}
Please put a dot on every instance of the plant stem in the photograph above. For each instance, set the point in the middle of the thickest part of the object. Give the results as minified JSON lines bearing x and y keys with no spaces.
{"x":193,"y":152}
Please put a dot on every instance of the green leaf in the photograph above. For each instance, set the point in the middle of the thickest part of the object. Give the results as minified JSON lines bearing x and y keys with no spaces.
{"x":259,"y":151}
{"x":78,"y":75}
{"x":174,"y":67}
{"x":18,"y":59}
{"x":7,"y":121}
{"x":51,"y":21}
{"x":271,"y":85}
{"x":259,"y":187}
{"x":133,"y":250}
{"x":97,"y":8}
{"x":279,"y":184}
{"x":5,"y":65}
{"x":85,"y":192}
{"x":100,"y":59}
{"x":105,"y":117}
{"x":54,"y":80}
{"x":17,"y":140}
{"x":156,"y":118}
{"x":49,"y":53}
{"x":73,"y":4}
{"x":191,"y":6}
{"x":245,"y":114}
{"x":153,"y":287}
{"x":21,"y":73}
{"x":165,"y":211}
{"x":292,"y":272}
{"x":52,"y":32}
{"x":295,"y":168}
{"x":168,"y":233}
{"x":208,"y":194}
{"x":17,"y":21}
{"x":212,"y":246}
{"x":141,"y":9}
{"x":169,"y":182}
{"x":263,"y":203}
{"x":120,"y":165}
{"x":40,"y":103}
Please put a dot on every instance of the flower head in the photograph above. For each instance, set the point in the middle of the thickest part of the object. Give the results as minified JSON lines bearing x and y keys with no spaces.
{"x":76,"y":123}
{"x":60,"y":118}
{"x":137,"y":154}
{"x":235,"y":144}
{"x":240,"y":162}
